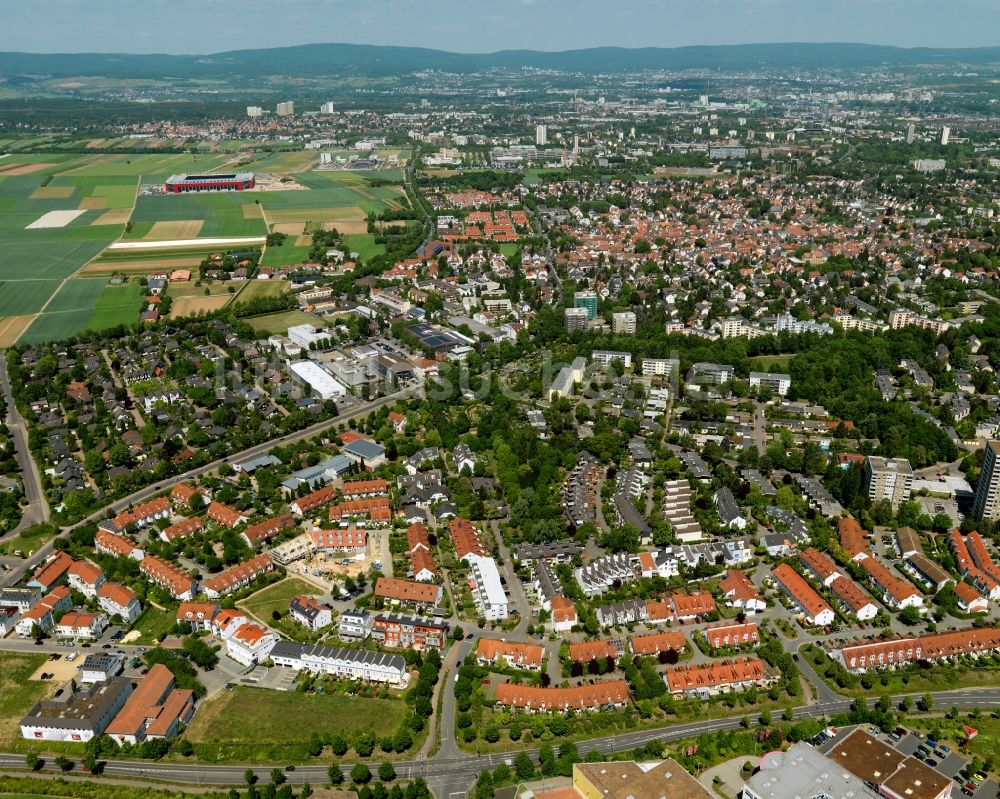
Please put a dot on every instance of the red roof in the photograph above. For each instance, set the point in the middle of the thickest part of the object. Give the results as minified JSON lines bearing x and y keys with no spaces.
{"x":714,"y":675}
{"x":580,"y":697}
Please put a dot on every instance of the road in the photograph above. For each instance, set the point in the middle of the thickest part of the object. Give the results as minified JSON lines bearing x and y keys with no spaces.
{"x":37,"y":509}
{"x":451,"y":771}
{"x":14,"y":575}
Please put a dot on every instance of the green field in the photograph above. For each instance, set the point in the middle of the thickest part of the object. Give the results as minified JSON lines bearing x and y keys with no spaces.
{"x":18,"y":693}
{"x":277,"y":597}
{"x":153,"y":623}
{"x":86,"y":304}
{"x":221,"y":214}
{"x":364,"y":245}
{"x":285,"y":255}
{"x":24,"y":296}
{"x":280,"y":322}
{"x":261,"y":717}
{"x":263,"y":288}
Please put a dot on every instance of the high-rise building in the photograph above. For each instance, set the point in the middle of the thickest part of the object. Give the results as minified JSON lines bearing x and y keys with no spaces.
{"x":986,"y":505}
{"x":588,"y":300}
{"x":911,"y":133}
{"x":254,"y":111}
{"x":623,"y":322}
{"x":575,"y":318}
{"x":286,"y":109}
{"x":326,"y":108}
{"x":541,"y":135}
{"x":945,"y":134}
{"x":888,"y":478}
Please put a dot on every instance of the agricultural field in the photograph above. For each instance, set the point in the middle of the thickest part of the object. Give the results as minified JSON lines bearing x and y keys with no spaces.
{"x":263,"y":288}
{"x":60,"y":212}
{"x":86,"y":304}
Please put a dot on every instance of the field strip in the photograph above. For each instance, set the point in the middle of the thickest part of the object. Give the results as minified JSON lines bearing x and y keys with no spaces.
{"x":155,"y":245}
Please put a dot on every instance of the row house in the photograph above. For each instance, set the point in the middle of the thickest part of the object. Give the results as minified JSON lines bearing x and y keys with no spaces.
{"x":225,"y":516}
{"x":586,"y":651}
{"x":896,"y":593}
{"x":377,"y":509}
{"x":182,"y":529}
{"x":262,"y":532}
{"x":108,"y":543}
{"x":139,"y":516}
{"x":723,"y":636}
{"x":338,"y":539}
{"x":408,"y":592}
{"x":409,"y":632}
{"x":984,"y":583}
{"x":819,"y":565}
{"x":854,"y":599}
{"x":939,"y":646}
{"x":654,"y":643}
{"x":739,"y":592}
{"x":171,"y":578}
{"x":510,"y":654}
{"x":238,"y":576}
{"x":594,"y":696}
{"x":692,"y":607}
{"x":53,"y":571}
{"x":364,"y":489}
{"x":465,"y":539}
{"x":601,"y":574}
{"x":708,"y":679}
{"x":351,"y":664}
{"x":198,"y":615}
{"x":802,"y":595}
{"x":312,"y":501}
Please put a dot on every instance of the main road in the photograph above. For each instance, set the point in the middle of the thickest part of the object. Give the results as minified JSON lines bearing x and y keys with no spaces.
{"x":452,"y":774}
{"x":43,"y":552}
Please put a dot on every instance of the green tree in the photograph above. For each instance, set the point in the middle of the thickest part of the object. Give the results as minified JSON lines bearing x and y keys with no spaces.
{"x":360,"y":774}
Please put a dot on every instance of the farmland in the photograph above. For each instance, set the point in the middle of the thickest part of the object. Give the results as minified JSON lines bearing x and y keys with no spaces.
{"x":280,"y":322}
{"x":61,"y":212}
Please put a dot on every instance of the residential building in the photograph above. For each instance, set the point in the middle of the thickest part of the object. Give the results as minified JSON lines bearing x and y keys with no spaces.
{"x":802,"y":595}
{"x":708,"y":679}
{"x":407,"y":592}
{"x":630,"y":780}
{"x":986,"y":504}
{"x":409,"y":632}
{"x":118,"y":600}
{"x":251,"y":644}
{"x":777,"y":383}
{"x":355,"y":625}
{"x":169,"y":577}
{"x":350,"y":664}
{"x":862,"y":656}
{"x":592,"y":696}
{"x":309,"y":613}
{"x":77,"y":716}
{"x":154,"y":710}
{"x":511,"y":654}
{"x":888,"y":478}
{"x":623,"y":323}
{"x":236,"y":577}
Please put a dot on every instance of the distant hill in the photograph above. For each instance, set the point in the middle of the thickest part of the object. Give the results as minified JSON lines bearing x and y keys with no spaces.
{"x":318,"y":60}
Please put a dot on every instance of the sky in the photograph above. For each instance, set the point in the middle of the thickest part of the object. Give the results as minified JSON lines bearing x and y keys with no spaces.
{"x":207,"y":26}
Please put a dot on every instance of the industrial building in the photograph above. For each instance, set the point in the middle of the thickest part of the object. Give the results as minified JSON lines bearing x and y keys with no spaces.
{"x":232,"y":181}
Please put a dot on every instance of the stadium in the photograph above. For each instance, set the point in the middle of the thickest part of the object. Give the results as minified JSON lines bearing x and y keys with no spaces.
{"x":239,"y":181}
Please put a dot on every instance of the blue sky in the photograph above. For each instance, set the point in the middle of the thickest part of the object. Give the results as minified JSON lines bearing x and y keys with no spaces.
{"x":202,"y":26}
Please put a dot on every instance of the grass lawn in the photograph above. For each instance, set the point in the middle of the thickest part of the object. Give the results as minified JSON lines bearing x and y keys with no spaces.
{"x":764,"y":362}
{"x":17,"y":693}
{"x":153,"y":623}
{"x":280,"y":322}
{"x":285,"y":256}
{"x":257,"y":724}
{"x":510,"y":250}
{"x":364,"y":245}
{"x":277,"y":597}
{"x":26,"y":542}
{"x":263,"y":288}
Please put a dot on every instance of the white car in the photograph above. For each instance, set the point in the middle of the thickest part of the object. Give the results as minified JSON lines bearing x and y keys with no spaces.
{"x":71,"y":656}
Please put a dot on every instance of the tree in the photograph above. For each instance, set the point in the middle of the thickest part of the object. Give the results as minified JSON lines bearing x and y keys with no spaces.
{"x":277,"y":776}
{"x":360,"y":774}
{"x":926,"y":703}
{"x":386,"y":772}
{"x":335,"y":774}
{"x":523,"y":766}
{"x":910,"y":616}
{"x":249,"y":777}
{"x":63,"y":763}
{"x":32,"y":761}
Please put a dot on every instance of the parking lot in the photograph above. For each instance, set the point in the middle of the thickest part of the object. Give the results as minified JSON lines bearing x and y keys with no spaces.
{"x":941,"y":757}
